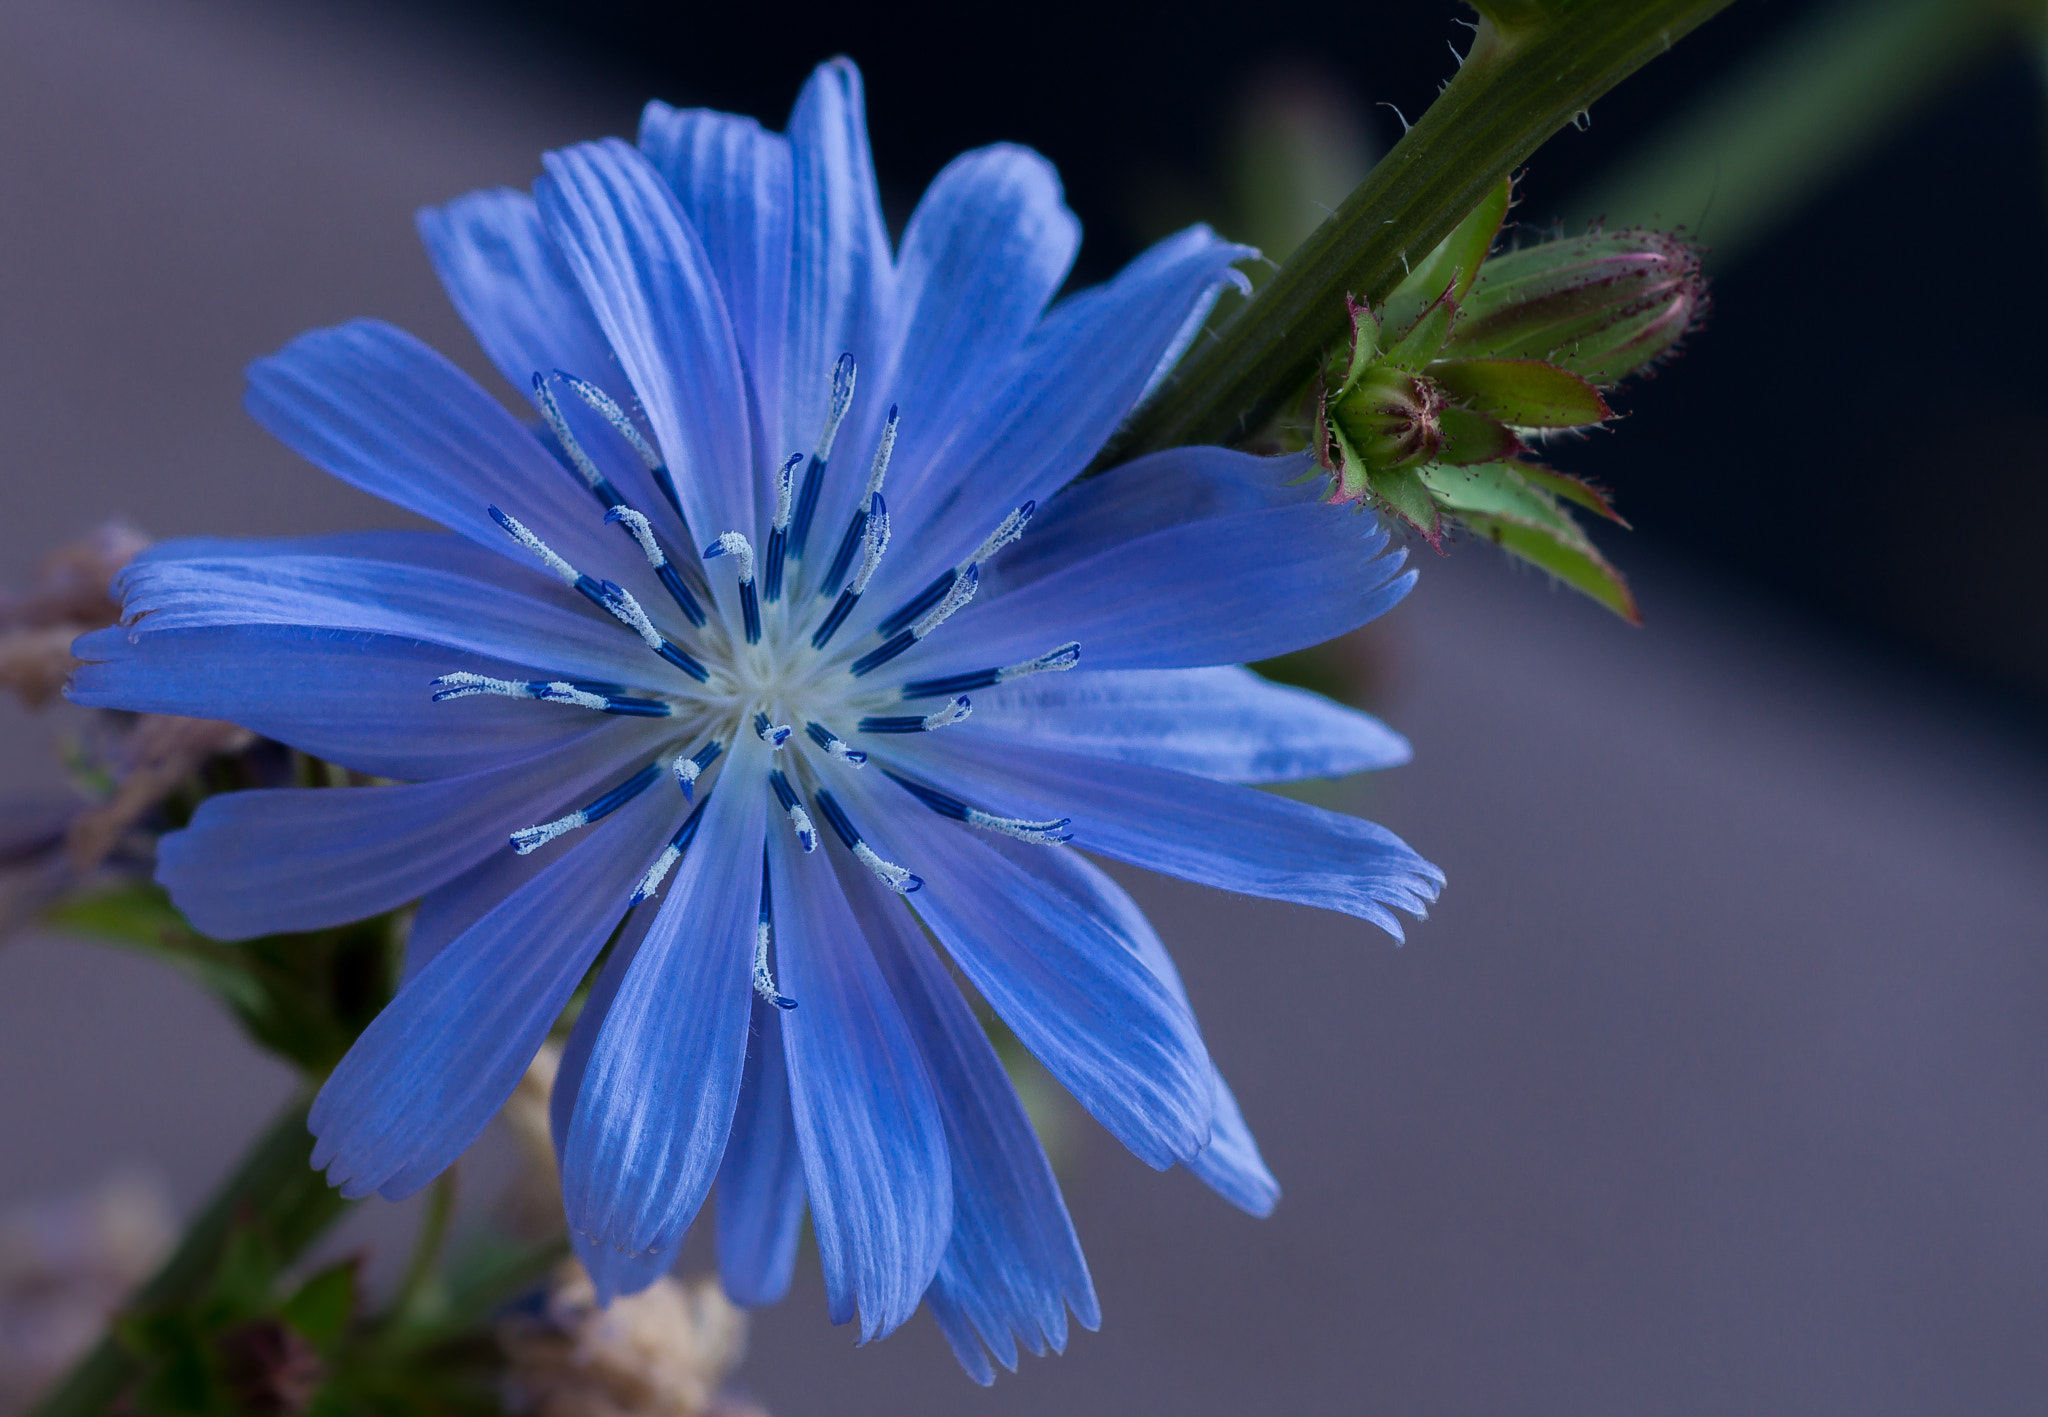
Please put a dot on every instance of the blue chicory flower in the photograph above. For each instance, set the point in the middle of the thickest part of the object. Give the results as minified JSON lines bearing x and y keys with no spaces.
{"x":778,"y":714}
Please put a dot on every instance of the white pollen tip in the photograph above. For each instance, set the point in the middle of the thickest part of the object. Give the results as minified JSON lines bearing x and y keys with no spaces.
{"x":686,"y":770}
{"x":964,"y":586}
{"x":626,"y":610}
{"x":884,"y":450}
{"x":1012,"y":528}
{"x":948,"y":715}
{"x":517,"y":530}
{"x":843,"y":375}
{"x":530,"y":839}
{"x":1047,"y":833}
{"x":764,"y":982}
{"x":785,"y":491}
{"x":875,"y":541}
{"x":643,"y":533}
{"x":1059,"y":661}
{"x":853,"y":756}
{"x":462,"y":683}
{"x":774,"y":734}
{"x":731,"y":543}
{"x":608,"y":409}
{"x":657,"y":873}
{"x":561,"y":692}
{"x":893,"y":876}
{"x":806,"y":832}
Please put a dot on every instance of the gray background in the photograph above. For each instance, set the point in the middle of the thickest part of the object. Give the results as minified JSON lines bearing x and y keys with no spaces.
{"x":1715,"y":1084}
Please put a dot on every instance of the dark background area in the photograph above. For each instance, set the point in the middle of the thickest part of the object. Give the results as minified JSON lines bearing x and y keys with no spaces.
{"x":1859,"y":430}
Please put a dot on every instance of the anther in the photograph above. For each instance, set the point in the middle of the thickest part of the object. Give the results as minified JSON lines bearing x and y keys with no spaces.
{"x":893,"y":876}
{"x":876,"y":537}
{"x":778,"y":534}
{"x":1054,"y":662}
{"x":550,"y":411}
{"x":462,"y":684}
{"x":529,"y":839}
{"x":731,"y":543}
{"x":566,"y":573}
{"x":850,"y":542}
{"x":621,"y":603}
{"x":1046,"y":833}
{"x":834,"y":745}
{"x":944,"y":717}
{"x":764,"y":982}
{"x":799,"y":819}
{"x":689,"y":767}
{"x":642,"y":531}
{"x":1012,"y":527}
{"x":814,"y":475}
{"x":959,"y":594}
{"x":608,"y":409}
{"x":773,"y":734}
{"x":670,"y":854}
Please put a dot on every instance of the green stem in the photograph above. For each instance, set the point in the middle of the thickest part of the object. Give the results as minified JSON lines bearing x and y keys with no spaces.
{"x":1534,"y":66}
{"x":274,"y":1187}
{"x":420,"y":1271}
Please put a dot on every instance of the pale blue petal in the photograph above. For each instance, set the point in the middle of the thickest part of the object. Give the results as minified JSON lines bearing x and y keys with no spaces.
{"x":509,"y":283}
{"x":364,"y":701}
{"x":761,"y":1182}
{"x":1226,"y":723}
{"x":449,"y":909}
{"x":433,"y":1068}
{"x":648,"y":280}
{"x":385,"y":598}
{"x":1242,"y":586}
{"x":1013,"y":1264}
{"x":874,"y":1149}
{"x":657,"y":1101}
{"x":254,"y":863}
{"x":735,"y":183}
{"x":1214,"y":833}
{"x":1068,"y":390}
{"x":1066,"y":981}
{"x":381,"y":411}
{"x":985,"y":250}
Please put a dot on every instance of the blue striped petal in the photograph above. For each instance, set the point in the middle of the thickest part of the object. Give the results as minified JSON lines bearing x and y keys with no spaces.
{"x":761,"y":1182}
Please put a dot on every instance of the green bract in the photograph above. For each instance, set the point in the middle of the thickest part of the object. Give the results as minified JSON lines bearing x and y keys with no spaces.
{"x":1425,"y":415}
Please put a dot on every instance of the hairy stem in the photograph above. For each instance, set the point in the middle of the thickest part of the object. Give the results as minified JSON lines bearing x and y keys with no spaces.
{"x":1534,"y":66}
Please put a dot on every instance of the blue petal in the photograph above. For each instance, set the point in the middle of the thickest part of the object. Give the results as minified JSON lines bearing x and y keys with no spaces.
{"x":1225,"y":723}
{"x":652,"y":1118}
{"x":650,"y":283}
{"x":1242,"y":586}
{"x":383,"y":412}
{"x":433,"y":1068}
{"x":512,"y":288}
{"x":761,"y":1182}
{"x":985,"y":250}
{"x":874,"y":1149}
{"x":734,"y":181}
{"x":382,"y":598}
{"x":253,"y":863}
{"x":1062,"y":976}
{"x":1230,"y":1164}
{"x":364,"y":701}
{"x":612,"y":1271}
{"x":1072,"y":384}
{"x":842,"y":279}
{"x":1217,"y":834}
{"x":1013,"y":1264}
{"x":447,"y":911}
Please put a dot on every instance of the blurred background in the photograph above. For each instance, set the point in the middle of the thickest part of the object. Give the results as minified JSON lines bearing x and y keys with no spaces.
{"x":1718,"y":1080}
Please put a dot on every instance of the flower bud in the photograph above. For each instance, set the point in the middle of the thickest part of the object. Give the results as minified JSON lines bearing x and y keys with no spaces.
{"x":1603,"y":305}
{"x":1390,"y":418}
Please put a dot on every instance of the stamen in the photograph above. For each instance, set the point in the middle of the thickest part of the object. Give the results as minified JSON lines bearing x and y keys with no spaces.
{"x":876,"y":535}
{"x":462,"y":684}
{"x":670,"y":854}
{"x":854,"y":529}
{"x":565,"y":572}
{"x":773,"y":734}
{"x":689,"y":768}
{"x":961,"y":592}
{"x":599,"y":485}
{"x":1056,"y":662}
{"x":621,"y":603}
{"x":1012,"y":527}
{"x":834,"y":745}
{"x":944,"y":717}
{"x":1046,"y":833}
{"x":893,"y":876}
{"x":806,"y":833}
{"x":529,"y":839}
{"x":731,"y":543}
{"x":611,"y":413}
{"x":778,"y":534}
{"x":643,"y":532}
{"x":764,"y":982}
{"x":814,"y":475}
